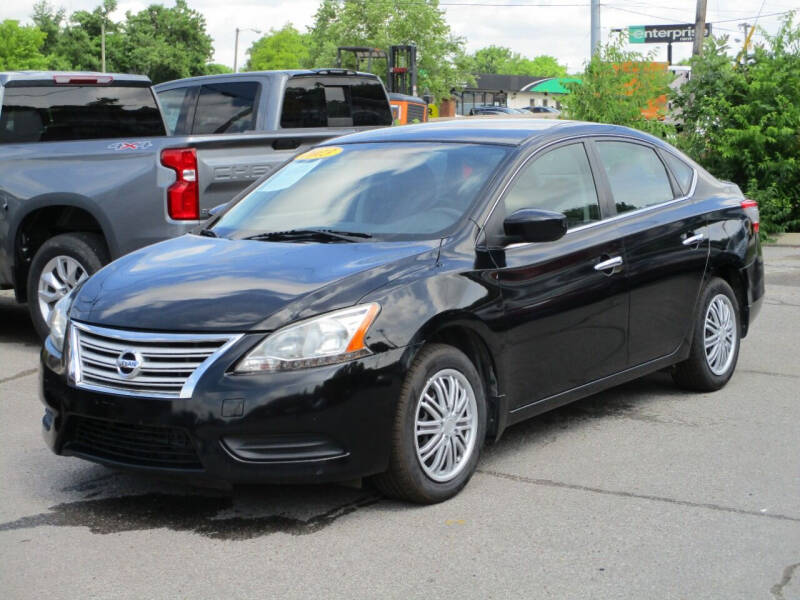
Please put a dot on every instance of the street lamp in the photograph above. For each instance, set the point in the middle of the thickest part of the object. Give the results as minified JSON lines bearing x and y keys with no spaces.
{"x":236,"y":46}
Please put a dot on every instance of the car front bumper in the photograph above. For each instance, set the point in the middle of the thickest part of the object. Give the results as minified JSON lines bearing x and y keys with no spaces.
{"x":315,"y":425}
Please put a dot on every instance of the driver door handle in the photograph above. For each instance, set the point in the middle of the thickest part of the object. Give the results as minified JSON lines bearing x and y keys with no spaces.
{"x":694,"y":239}
{"x":611,"y":263}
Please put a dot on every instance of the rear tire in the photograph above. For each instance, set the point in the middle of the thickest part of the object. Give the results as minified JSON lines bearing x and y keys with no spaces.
{"x":715,"y":341}
{"x":60,"y":264}
{"x":439,"y":428}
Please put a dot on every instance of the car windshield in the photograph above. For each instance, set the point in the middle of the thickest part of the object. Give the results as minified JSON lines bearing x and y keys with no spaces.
{"x":407,"y":190}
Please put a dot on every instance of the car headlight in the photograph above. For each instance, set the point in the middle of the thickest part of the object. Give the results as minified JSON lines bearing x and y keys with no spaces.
{"x":330,"y":338}
{"x":59,"y":319}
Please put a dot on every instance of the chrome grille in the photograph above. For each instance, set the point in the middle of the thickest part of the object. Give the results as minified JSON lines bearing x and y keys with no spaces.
{"x":162,"y":365}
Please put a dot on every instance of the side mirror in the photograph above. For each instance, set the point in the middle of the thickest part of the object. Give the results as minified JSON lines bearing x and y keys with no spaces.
{"x":534,"y":225}
{"x":213,"y":212}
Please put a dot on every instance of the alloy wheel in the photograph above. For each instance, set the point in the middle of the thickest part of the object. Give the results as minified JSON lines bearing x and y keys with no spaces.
{"x":720,"y":334}
{"x":445,"y":425}
{"x":60,"y":276}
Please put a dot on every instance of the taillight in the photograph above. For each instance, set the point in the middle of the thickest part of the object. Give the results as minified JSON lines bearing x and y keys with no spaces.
{"x":751,"y":210}
{"x":183,"y":200}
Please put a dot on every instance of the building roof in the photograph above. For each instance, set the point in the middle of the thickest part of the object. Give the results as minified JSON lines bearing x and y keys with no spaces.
{"x":506,"y":83}
{"x":489,"y":130}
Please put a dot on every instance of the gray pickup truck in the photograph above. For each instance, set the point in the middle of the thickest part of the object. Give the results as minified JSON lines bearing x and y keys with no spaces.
{"x":88,"y":171}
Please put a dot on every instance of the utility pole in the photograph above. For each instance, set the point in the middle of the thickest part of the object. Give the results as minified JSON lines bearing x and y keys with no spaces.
{"x":103,"y":44}
{"x":747,"y":32}
{"x":595,"y":27}
{"x":236,"y":46}
{"x":699,"y":28}
{"x":236,"y":52}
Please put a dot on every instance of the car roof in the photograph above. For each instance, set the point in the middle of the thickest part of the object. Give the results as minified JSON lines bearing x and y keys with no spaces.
{"x":277,"y":73}
{"x":490,"y":130}
{"x":32,"y":76}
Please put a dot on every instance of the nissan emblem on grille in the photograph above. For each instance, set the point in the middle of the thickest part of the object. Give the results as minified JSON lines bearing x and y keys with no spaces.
{"x":160,"y":365}
{"x":129,"y":364}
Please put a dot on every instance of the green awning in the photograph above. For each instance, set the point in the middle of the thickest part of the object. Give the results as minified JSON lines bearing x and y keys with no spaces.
{"x":552,"y":86}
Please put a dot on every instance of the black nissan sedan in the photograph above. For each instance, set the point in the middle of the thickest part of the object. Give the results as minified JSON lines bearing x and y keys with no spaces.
{"x":384,"y":304}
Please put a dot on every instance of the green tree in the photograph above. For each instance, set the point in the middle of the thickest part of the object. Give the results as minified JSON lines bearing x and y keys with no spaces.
{"x":21,"y":47}
{"x":546,"y":66}
{"x":78,"y":45}
{"x":742,"y":122}
{"x":499,"y":59}
{"x":217,"y":69}
{"x":441,"y":60}
{"x":49,"y":20}
{"x":284,"y":48}
{"x":492,"y":59}
{"x":616,"y":86}
{"x":165,"y":43}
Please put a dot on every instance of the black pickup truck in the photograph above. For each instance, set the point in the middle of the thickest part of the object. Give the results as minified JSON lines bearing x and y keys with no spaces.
{"x":92,"y":168}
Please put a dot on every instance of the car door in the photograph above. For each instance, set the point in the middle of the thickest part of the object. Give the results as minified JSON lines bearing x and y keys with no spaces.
{"x":565,"y":303}
{"x":666,"y":243}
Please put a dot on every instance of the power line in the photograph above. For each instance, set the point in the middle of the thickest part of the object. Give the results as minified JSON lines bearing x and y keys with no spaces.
{"x":641,"y":14}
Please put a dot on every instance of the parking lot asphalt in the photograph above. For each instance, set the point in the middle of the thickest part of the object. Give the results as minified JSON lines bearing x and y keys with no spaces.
{"x":643,"y":491}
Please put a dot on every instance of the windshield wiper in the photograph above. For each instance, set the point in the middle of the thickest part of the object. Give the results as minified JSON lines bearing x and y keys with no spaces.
{"x":207,"y":233}
{"x":310,"y":234}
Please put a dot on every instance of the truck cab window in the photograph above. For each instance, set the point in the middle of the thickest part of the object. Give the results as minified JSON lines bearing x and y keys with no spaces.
{"x":226,"y":108}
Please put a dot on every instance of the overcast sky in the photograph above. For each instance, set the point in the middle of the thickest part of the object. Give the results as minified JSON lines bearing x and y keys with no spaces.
{"x":530,"y":27}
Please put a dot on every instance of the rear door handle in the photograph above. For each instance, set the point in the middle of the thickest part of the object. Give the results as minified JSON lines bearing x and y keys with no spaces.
{"x":611,"y":263}
{"x":694,"y":239}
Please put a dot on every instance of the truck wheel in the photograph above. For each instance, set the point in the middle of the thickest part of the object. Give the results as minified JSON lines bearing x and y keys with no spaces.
{"x":438,"y":430}
{"x":715,"y":341}
{"x":60,"y":264}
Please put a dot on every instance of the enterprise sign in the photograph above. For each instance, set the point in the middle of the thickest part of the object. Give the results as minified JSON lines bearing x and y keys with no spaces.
{"x":663,"y":34}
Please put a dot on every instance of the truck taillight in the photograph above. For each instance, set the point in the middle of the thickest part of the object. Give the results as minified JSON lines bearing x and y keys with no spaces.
{"x":751,"y":210}
{"x":183,"y":199}
{"x":82,"y":79}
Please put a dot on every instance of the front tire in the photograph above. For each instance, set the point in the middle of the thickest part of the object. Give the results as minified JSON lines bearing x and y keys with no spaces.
{"x":715,"y":341}
{"x":439,"y":428}
{"x":60,"y":264}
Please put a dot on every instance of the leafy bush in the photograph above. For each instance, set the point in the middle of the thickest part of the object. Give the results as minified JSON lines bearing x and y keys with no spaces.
{"x":616,"y":86}
{"x":742,"y":122}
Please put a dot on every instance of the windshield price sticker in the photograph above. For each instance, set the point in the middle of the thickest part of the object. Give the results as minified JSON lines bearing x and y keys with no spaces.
{"x":317,"y":153}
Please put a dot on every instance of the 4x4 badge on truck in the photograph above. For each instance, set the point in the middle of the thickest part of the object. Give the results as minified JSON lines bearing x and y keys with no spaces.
{"x":130,"y":145}
{"x":129,"y":364}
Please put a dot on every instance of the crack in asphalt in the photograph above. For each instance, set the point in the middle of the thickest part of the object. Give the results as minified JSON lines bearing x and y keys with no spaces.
{"x":781,"y":303}
{"x":770,"y":373}
{"x":197,"y":514}
{"x":777,"y":589}
{"x":19,"y":375}
{"x":620,"y":494}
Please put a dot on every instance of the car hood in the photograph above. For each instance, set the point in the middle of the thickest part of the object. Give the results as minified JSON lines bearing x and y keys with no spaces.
{"x":195,"y":283}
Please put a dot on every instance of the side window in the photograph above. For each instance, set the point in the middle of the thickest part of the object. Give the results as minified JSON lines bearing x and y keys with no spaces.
{"x":560,"y":180}
{"x":636,"y":175}
{"x":176,"y":105}
{"x":683,"y":173}
{"x":226,"y":108}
